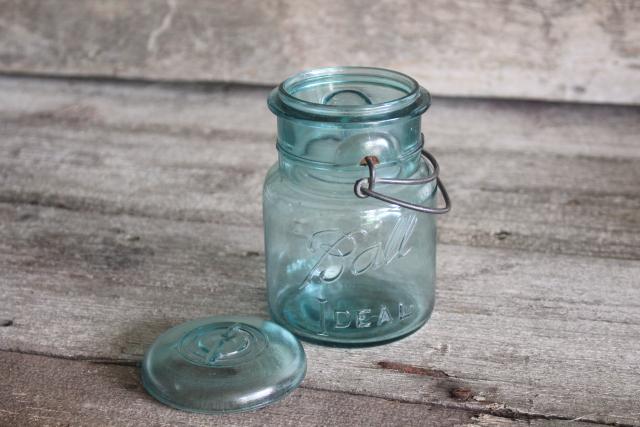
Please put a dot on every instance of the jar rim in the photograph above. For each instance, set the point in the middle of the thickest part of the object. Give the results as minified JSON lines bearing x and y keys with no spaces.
{"x":410,"y":99}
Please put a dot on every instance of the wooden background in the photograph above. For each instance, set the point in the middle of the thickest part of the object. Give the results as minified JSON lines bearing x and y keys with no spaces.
{"x":134,"y":139}
{"x":537,"y":49}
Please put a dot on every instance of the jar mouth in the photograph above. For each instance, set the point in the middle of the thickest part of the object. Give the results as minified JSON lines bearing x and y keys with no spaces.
{"x":349,"y":94}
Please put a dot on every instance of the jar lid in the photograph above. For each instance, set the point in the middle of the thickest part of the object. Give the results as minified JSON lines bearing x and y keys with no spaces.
{"x":349,"y":94}
{"x":223,"y":364}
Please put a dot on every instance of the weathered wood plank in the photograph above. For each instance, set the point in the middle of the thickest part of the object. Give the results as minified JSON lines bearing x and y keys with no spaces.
{"x":577,"y":50}
{"x":40,"y":391}
{"x":524,"y":334}
{"x":534,"y":176}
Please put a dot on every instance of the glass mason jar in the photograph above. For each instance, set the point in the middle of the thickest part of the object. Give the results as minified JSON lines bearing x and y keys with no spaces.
{"x":349,"y":236}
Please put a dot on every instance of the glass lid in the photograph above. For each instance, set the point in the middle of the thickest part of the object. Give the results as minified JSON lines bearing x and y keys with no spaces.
{"x":223,"y":364}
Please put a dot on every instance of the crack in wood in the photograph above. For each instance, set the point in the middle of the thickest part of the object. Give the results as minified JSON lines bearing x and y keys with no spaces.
{"x":502,"y":412}
{"x":410,"y":369}
{"x":96,"y":360}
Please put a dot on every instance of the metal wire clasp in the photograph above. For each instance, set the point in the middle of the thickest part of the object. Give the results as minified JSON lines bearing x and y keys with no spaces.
{"x":364,"y":187}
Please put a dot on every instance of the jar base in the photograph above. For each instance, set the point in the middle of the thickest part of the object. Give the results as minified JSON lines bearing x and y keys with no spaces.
{"x":351,"y":315}
{"x":328,"y":342}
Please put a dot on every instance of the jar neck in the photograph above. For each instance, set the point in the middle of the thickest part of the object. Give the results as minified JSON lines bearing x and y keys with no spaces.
{"x":344,"y":145}
{"x":302,"y":170}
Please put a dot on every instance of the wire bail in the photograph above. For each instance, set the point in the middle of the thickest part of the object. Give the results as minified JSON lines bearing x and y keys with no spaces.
{"x":364,"y":187}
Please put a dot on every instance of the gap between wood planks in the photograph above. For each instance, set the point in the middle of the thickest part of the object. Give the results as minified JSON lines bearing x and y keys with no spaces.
{"x":501,"y":412}
{"x":196,"y":84}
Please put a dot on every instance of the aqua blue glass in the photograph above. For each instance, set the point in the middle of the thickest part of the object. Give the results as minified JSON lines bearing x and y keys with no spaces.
{"x":344,"y":270}
{"x":223,"y":364}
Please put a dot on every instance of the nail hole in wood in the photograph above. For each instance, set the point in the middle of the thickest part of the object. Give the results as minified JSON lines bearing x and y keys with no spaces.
{"x":502,"y":234}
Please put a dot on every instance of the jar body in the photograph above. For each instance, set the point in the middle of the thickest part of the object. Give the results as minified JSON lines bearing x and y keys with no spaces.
{"x":343,"y":270}
{"x":346,"y":264}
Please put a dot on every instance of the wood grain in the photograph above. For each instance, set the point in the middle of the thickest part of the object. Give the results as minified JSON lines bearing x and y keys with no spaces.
{"x":40,"y":391}
{"x":571,"y":50}
{"x":532,"y":176}
{"x":128,"y":208}
{"x":528,"y":334}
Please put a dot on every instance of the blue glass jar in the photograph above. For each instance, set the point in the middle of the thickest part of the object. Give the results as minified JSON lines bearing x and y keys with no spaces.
{"x":349,"y":233}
